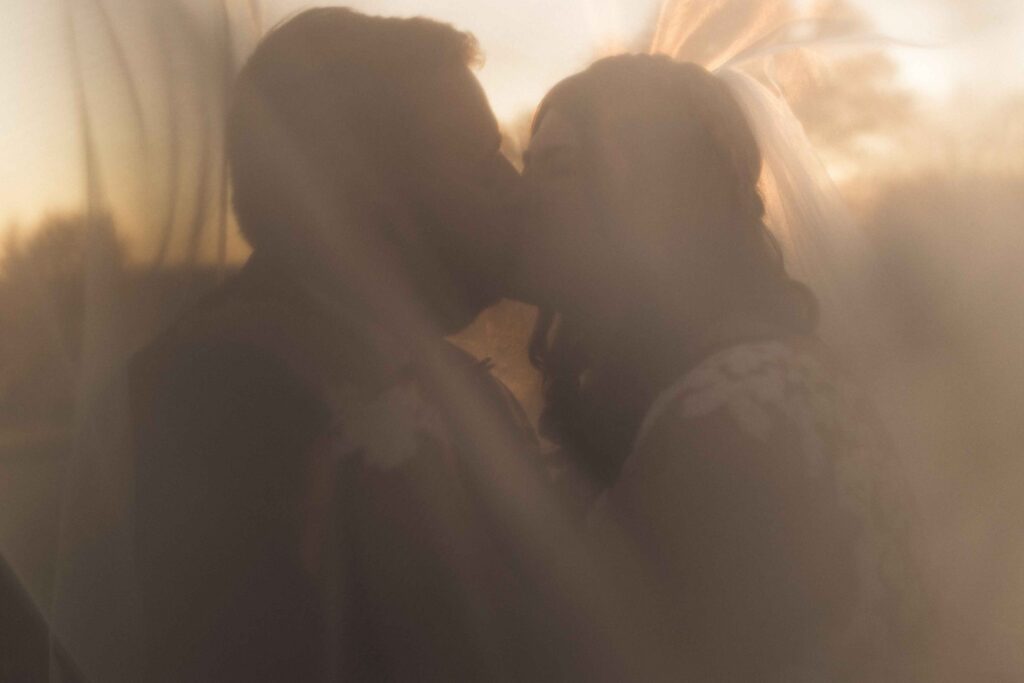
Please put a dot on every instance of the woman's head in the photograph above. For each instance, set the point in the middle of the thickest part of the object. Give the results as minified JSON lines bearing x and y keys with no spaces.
{"x":646,"y":230}
{"x":644,"y":177}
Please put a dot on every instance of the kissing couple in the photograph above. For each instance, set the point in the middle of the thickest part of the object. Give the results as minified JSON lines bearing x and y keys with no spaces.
{"x":328,"y":489}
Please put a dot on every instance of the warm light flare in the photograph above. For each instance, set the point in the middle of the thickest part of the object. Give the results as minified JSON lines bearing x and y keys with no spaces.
{"x":712,"y":33}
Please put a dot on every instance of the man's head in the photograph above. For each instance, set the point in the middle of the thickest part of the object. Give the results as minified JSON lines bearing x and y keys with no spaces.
{"x":369,"y":139}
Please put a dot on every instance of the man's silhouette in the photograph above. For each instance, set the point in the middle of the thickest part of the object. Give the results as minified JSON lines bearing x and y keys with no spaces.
{"x":307,"y":499}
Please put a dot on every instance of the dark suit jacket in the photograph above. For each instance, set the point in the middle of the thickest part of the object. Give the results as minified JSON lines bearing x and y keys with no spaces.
{"x":304,"y":506}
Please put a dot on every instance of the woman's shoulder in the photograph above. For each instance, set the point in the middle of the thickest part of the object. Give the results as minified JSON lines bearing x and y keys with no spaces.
{"x":787,"y":400}
{"x":760,"y":387}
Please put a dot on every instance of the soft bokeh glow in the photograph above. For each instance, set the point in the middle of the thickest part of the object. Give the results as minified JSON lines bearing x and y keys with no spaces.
{"x":529,"y":44}
{"x":922,"y":128}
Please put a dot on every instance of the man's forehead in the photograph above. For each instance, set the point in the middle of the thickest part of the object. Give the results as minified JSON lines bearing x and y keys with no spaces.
{"x":459,"y":108}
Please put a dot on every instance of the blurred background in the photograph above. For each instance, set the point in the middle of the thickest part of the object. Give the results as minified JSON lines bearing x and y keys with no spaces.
{"x":114,"y":215}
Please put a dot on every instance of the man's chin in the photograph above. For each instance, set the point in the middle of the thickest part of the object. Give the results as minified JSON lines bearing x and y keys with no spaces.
{"x":530,"y":282}
{"x":528,"y":292}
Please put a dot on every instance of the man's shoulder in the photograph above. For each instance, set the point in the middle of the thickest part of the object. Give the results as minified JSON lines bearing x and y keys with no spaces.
{"x":224,"y":349}
{"x":230,"y":315}
{"x":237,"y":326}
{"x":216,"y":377}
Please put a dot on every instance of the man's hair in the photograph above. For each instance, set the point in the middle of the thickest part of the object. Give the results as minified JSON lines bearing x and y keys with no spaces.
{"x":322,"y":112}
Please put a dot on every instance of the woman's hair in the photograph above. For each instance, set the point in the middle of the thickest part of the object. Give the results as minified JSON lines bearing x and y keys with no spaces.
{"x":320,"y":112}
{"x":713,"y":237}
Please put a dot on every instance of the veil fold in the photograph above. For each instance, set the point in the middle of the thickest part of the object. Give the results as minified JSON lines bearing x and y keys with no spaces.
{"x":821,"y":243}
{"x":152,"y":82}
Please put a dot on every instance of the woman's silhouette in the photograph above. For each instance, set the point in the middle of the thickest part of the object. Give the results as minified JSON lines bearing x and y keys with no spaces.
{"x":755,"y":494}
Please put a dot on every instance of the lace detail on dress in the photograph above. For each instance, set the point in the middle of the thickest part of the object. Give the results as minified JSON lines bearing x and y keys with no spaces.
{"x":783,"y":390}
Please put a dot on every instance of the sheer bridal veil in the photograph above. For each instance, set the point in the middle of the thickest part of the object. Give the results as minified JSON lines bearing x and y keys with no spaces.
{"x":151,"y":82}
{"x":822,"y":246}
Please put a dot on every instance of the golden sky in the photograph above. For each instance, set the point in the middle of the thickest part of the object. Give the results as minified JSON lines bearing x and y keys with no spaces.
{"x":529,"y":45}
